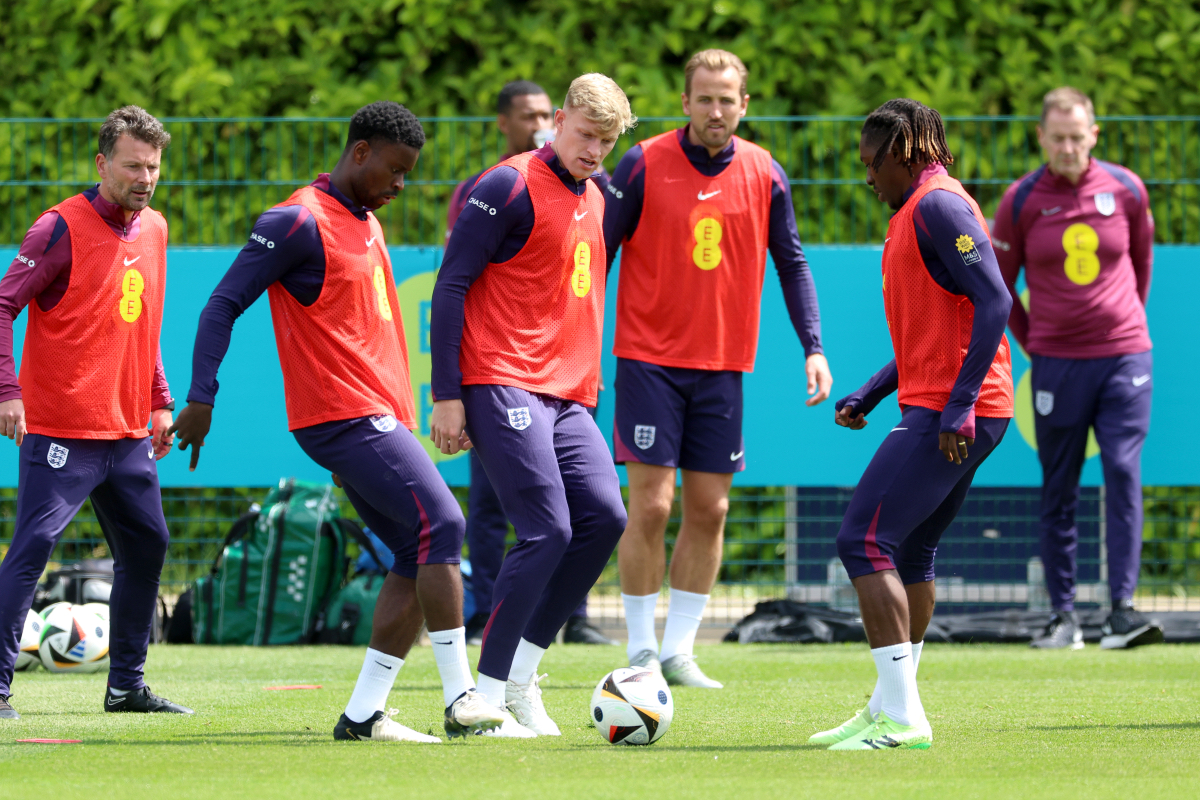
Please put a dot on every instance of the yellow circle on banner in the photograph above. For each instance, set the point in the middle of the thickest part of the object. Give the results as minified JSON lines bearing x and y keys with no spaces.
{"x":707,"y":253}
{"x":385,"y":305}
{"x":1023,"y":406}
{"x":1081,"y":243}
{"x":414,"y":297}
{"x":581,"y":277}
{"x":130,"y":304}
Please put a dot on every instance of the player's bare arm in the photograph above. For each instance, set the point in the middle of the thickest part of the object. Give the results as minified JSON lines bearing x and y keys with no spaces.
{"x":192,"y":426}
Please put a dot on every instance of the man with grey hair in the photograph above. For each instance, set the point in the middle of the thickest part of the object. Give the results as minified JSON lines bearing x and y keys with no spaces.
{"x":1083,"y":231}
{"x":92,"y":271}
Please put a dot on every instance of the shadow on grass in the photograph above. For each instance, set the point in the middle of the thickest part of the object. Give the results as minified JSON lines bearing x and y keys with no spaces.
{"x":714,"y":748}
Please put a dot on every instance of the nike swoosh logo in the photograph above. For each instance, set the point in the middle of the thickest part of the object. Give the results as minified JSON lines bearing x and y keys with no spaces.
{"x":443,"y":642}
{"x":579,"y":216}
{"x":899,"y":658}
{"x":1048,"y":211}
{"x":899,"y":429}
{"x":704,"y":196}
{"x":1140,"y":380}
{"x":371,"y":241}
{"x":129,"y":261}
{"x":385,"y":666}
{"x":737,"y":455}
{"x":113,"y":701}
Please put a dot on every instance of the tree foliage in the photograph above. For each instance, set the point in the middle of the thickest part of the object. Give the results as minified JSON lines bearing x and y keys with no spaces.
{"x":67,"y":58}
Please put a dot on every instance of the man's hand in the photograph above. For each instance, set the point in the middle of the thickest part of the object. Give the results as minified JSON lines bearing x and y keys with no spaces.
{"x":447,"y":427}
{"x":192,"y":426}
{"x":161,"y":436}
{"x":848,"y":417}
{"x":12,"y":419}
{"x":820,"y":381}
{"x":954,"y":446}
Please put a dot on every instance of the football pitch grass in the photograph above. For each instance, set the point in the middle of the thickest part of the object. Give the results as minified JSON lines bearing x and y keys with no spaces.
{"x":1007,"y":721}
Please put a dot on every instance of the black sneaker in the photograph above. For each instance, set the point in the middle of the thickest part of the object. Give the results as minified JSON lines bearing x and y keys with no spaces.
{"x":6,"y":710}
{"x":579,"y":631}
{"x":475,"y":626}
{"x":142,"y":701}
{"x":1061,"y":633}
{"x":1126,"y":627}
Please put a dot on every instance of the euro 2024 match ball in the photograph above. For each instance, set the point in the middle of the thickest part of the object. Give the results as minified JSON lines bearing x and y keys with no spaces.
{"x":74,"y":639}
{"x":632,"y":705}
{"x":31,"y":637}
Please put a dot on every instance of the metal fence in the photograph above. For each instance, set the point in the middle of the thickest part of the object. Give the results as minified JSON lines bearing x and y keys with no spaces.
{"x":780,"y":543}
{"x":218,"y":175}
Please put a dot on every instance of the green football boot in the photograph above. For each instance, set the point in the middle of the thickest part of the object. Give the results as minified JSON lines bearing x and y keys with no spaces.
{"x":885,"y":735}
{"x":856,"y":724}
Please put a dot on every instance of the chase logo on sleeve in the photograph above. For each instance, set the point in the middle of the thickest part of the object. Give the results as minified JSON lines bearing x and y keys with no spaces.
{"x":967,"y":249}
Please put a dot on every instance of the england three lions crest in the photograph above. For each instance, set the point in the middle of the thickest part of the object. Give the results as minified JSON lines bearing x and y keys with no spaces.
{"x":519,"y":418}
{"x":1044,"y":402}
{"x":1106,"y":203}
{"x":643,"y":436}
{"x":57,"y":456}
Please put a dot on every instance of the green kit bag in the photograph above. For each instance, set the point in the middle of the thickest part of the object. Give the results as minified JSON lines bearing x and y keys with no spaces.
{"x":276,"y":571}
{"x":347,"y":618}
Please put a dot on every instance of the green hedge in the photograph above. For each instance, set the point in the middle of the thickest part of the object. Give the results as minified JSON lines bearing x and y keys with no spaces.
{"x":67,"y":58}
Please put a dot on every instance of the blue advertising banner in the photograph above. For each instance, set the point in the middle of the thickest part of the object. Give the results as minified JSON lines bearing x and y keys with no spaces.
{"x":787,"y":443}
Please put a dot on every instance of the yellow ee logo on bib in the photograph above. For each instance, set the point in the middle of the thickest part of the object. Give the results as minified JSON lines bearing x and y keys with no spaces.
{"x":1081,"y":243}
{"x":707,"y":253}
{"x":385,"y":307}
{"x":581,"y":277}
{"x":132,"y":286}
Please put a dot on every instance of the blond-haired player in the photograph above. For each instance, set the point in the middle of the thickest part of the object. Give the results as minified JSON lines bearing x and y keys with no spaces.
{"x":515,"y":338}
{"x":695,"y":211}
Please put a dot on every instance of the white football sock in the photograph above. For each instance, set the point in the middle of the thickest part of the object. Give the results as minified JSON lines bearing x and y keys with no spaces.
{"x":876,"y":701}
{"x":898,"y":684}
{"x":683,"y":620}
{"x":492,"y":690}
{"x":450,"y":653}
{"x":374,"y":683}
{"x":525,"y":661}
{"x":639,"y":621}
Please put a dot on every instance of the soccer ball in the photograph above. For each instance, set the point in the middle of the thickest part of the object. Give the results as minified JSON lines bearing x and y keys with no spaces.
{"x":99,"y":609}
{"x":74,"y":639}
{"x":632,"y":705}
{"x":31,"y":637}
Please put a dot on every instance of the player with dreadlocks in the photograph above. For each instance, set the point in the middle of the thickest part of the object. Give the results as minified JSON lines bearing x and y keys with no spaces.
{"x":941,"y":288}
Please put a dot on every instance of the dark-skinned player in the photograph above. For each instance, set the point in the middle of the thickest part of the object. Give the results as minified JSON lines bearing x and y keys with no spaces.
{"x":321,"y":258}
{"x":946,"y":306}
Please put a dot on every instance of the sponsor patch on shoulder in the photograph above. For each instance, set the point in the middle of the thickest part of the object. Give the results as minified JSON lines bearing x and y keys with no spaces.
{"x":967,"y":249}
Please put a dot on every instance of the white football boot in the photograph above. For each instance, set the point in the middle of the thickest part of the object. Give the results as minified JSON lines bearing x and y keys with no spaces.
{"x":509,"y":729}
{"x":380,"y":728}
{"x":471,"y":713}
{"x":682,"y":670}
{"x":524,"y":700}
{"x":648,"y":659}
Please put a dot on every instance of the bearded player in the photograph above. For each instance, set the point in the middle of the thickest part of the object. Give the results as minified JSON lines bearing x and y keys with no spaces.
{"x":321,"y":258}
{"x":1083,"y":231}
{"x":946,"y":307}
{"x":695,"y":211}
{"x":515,"y":334}
{"x":93,"y":271}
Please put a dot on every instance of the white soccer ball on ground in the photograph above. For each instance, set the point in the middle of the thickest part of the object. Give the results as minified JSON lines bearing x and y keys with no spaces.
{"x":31,"y":637}
{"x":73,"y":639}
{"x":99,"y":609}
{"x":632,"y":705}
